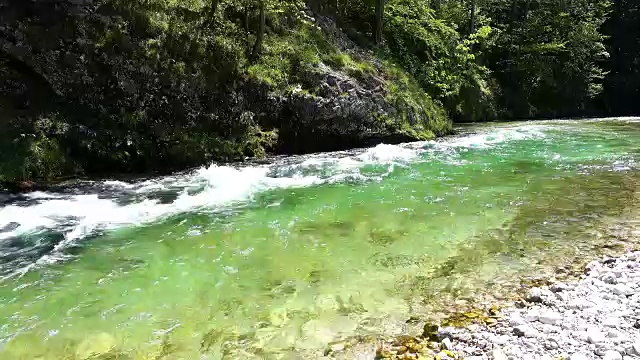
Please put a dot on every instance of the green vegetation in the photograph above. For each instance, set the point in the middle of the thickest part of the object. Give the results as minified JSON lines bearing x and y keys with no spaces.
{"x":106,"y":86}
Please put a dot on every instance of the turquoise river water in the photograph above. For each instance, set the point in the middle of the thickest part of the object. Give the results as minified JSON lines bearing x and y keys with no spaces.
{"x":265,"y":261}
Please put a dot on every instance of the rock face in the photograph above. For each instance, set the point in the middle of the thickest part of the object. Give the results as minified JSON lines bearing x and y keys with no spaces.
{"x":155,"y":100}
{"x":594,"y":318}
{"x":335,"y":108}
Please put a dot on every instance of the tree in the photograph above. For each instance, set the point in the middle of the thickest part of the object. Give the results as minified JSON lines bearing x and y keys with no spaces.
{"x":379,"y":21}
{"x":622,"y":86}
{"x":257,"y":47}
{"x":472,"y":17}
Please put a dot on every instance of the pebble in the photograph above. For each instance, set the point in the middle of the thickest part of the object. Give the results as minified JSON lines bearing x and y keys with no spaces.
{"x":550,"y":318}
{"x":578,"y":356}
{"x":595,"y":336}
{"x":596,"y":317}
{"x":612,"y":355}
{"x":498,"y":354}
{"x":622,"y":289}
{"x":524,"y":330}
{"x":535,"y":295}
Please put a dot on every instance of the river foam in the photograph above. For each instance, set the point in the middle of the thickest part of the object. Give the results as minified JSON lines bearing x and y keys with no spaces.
{"x":107,"y":205}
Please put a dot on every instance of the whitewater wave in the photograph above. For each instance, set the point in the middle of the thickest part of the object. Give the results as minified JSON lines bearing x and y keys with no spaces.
{"x":113,"y":204}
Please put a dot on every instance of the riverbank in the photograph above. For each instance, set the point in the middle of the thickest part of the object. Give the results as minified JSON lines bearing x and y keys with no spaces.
{"x":580,"y":305}
{"x":592,"y":312}
{"x":596,"y":317}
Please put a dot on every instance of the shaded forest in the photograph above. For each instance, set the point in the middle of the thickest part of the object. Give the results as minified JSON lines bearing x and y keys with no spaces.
{"x":94,"y":87}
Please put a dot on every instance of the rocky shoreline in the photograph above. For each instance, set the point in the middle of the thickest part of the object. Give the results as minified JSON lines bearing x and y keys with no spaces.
{"x":594,"y":317}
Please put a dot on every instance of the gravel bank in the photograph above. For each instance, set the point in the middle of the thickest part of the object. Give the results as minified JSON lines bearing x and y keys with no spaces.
{"x":596,"y":317}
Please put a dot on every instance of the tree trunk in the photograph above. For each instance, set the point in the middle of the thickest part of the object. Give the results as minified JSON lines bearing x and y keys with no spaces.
{"x":472,"y":18}
{"x":257,"y":47}
{"x":212,"y":12}
{"x":214,"y":6}
{"x":246,"y":18}
{"x":514,"y":11}
{"x":378,"y":22}
{"x":436,"y":6}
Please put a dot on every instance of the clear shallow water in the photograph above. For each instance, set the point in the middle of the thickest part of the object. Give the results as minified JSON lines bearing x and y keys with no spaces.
{"x":261,"y":261}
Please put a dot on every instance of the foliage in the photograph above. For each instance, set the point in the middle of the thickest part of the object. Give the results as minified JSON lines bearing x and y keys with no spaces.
{"x":548,"y":56}
{"x":438,"y":57}
{"x":622,"y":85}
{"x":416,"y":108}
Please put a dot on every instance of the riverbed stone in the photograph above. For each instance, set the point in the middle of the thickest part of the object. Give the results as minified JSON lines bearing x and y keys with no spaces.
{"x":578,"y":356}
{"x":446,"y":343}
{"x":525,"y":330}
{"x":595,"y":336}
{"x":609,"y":278}
{"x":611,"y":322}
{"x":612,"y":355}
{"x":535,"y":295}
{"x":498,"y":354}
{"x":622,"y":289}
{"x":550,"y":317}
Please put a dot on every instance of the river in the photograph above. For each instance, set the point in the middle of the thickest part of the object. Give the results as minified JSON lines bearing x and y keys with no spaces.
{"x":269,"y":260}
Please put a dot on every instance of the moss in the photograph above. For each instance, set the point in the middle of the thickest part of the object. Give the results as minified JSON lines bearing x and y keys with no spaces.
{"x":417,"y":117}
{"x":285,"y":57}
{"x":337,"y":60}
{"x":472,"y":316}
{"x":361,"y":70}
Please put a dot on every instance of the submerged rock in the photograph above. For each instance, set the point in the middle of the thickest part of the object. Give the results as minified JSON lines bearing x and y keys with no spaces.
{"x":95,"y":346}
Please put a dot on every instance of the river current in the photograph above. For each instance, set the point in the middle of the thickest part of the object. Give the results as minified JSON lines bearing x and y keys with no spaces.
{"x":270,"y":260}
